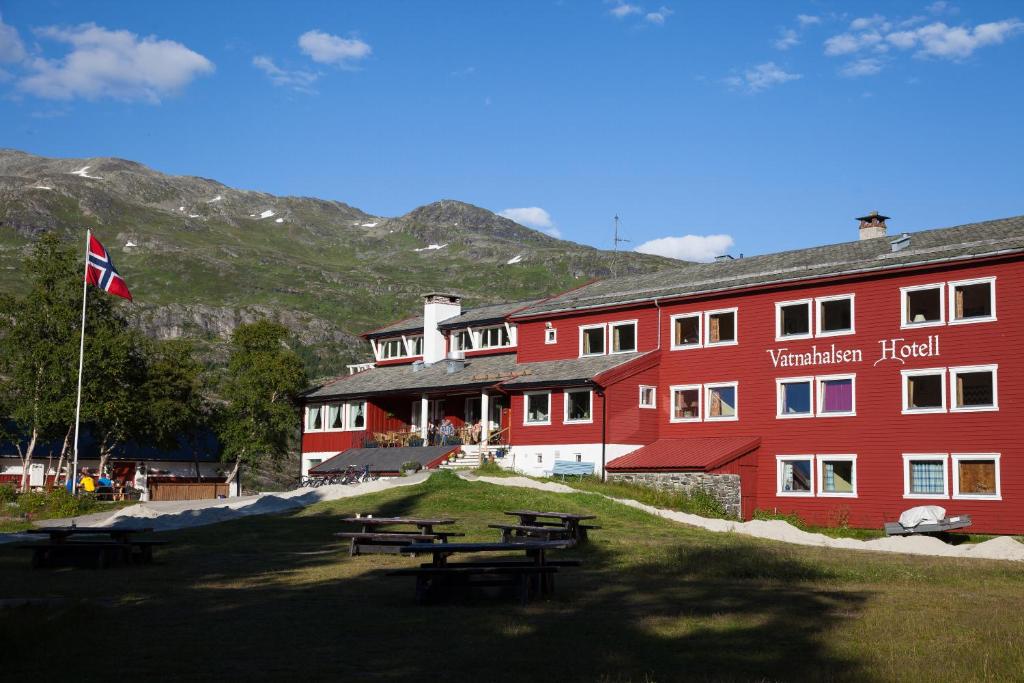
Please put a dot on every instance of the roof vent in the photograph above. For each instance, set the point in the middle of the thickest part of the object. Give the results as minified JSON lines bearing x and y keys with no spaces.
{"x":417,"y":365}
{"x":872,"y":225}
{"x":900,"y":243}
{"x":454,"y":365}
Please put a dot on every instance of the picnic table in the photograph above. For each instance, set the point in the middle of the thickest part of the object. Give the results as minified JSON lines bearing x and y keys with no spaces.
{"x":570,"y":521}
{"x":373,"y":538}
{"x":533,"y":575}
{"x":102,"y":545}
{"x":509,"y":532}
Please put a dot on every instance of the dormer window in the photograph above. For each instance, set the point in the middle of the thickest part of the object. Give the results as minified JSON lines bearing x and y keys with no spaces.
{"x":494,"y":337}
{"x":414,"y":345}
{"x":462,"y":341}
{"x":390,"y":348}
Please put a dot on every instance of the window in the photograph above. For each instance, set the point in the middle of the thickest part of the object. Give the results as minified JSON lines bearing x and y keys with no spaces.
{"x":538,"y":408}
{"x":836,"y":475}
{"x":390,"y":348}
{"x":623,"y":337}
{"x":686,"y":403}
{"x":721,"y":400}
{"x":578,"y":405}
{"x":836,"y":395}
{"x":462,"y":341}
{"x":356,"y":411}
{"x":976,"y":476}
{"x":335,"y":416}
{"x":795,"y":475}
{"x":924,"y":391}
{"x":835,"y":315}
{"x":721,"y":327}
{"x":314,"y":418}
{"x":551,"y":336}
{"x":922,"y":306}
{"x":540,"y":459}
{"x":972,"y":301}
{"x":414,"y":345}
{"x":592,"y":340}
{"x":794,"y":397}
{"x":494,"y":337}
{"x":648,"y":396}
{"x":579,"y":457}
{"x":924,"y":475}
{"x":793,"y":319}
{"x":974,"y":388}
{"x":686,"y":331}
{"x":313,"y":462}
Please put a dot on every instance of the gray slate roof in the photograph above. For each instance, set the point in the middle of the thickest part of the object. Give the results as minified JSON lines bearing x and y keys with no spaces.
{"x":480,"y":314}
{"x":928,"y":246}
{"x":381,"y":459}
{"x":478,"y":373}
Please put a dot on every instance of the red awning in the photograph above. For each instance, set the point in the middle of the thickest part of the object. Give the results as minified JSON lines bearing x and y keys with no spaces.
{"x":700,"y":454}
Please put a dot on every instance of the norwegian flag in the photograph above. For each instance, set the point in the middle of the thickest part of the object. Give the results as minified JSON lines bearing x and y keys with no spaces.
{"x":100,"y":271}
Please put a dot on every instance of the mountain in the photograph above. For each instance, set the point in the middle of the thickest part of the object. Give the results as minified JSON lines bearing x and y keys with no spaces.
{"x":202,"y":257}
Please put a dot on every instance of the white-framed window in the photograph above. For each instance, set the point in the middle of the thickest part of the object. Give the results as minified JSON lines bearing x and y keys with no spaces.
{"x":623,"y":336}
{"x":648,"y":396}
{"x":537,"y":408}
{"x":592,"y":340}
{"x":837,"y":476}
{"x":685,"y":403}
{"x":493,"y":337}
{"x":414,"y":345}
{"x":335,"y":418}
{"x":972,"y":301}
{"x":974,"y":388}
{"x":795,"y":475}
{"x":462,"y":340}
{"x":314,"y":418}
{"x":793,"y":319}
{"x":391,"y":348}
{"x":976,"y":476}
{"x":355,"y":415}
{"x":686,"y":331}
{"x":923,"y":305}
{"x":722,"y":401}
{"x":834,"y":315}
{"x":579,"y":404}
{"x":550,"y":336}
{"x":837,"y":395}
{"x":795,"y":397}
{"x":721,"y":327}
{"x":925,"y":475}
{"x":924,"y":391}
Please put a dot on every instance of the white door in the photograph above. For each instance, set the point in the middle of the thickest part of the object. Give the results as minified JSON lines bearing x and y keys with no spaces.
{"x":37,"y":474}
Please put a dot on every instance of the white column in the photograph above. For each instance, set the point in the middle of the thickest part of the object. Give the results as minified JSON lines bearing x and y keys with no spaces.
{"x":485,"y":420}
{"x":424,"y":418}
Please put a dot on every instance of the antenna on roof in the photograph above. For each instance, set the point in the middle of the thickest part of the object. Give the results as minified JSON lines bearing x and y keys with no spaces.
{"x":616,"y":240}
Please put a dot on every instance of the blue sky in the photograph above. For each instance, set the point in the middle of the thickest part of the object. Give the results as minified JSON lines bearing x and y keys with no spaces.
{"x":749,"y":126}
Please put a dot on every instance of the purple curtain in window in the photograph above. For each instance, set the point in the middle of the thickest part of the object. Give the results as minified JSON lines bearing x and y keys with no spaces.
{"x":838,"y":396}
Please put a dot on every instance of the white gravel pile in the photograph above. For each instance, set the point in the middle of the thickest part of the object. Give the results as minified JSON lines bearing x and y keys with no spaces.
{"x":1002,"y":548}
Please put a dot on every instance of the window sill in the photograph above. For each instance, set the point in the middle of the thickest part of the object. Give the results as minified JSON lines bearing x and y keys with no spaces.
{"x":732,"y":418}
{"x":684,"y":419}
{"x":838,"y":414}
{"x":592,"y":355}
{"x":793,"y":416}
{"x":825,"y":494}
{"x":578,"y":422}
{"x":923,"y":411}
{"x":794,"y":494}
{"x":975,"y":409}
{"x":836,"y":333}
{"x":683,"y":347}
{"x":976,"y":497}
{"x":926,"y":496}
{"x":793,"y":337}
{"x":617,"y":353}
{"x":648,"y":407}
{"x":536,"y":424}
{"x":722,"y":343}
{"x":971,"y":321}
{"x":913,"y":326}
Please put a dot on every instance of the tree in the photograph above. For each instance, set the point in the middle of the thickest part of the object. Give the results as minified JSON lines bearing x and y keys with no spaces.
{"x":39,"y":349}
{"x":260,"y":392}
{"x":174,"y":406}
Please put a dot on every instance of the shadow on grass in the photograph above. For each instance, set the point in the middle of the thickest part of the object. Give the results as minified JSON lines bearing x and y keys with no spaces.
{"x":280,"y":599}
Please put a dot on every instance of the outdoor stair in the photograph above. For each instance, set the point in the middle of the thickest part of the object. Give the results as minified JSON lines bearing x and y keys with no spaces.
{"x":466,"y":460}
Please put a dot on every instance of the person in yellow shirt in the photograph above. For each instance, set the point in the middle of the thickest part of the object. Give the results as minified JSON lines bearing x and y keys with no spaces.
{"x":87,"y":483}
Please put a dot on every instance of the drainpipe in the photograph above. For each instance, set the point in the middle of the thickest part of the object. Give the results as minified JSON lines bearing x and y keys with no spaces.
{"x":604,"y":429}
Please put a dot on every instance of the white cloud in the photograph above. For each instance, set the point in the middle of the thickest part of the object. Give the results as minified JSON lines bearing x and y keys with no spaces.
{"x":868,"y":66}
{"x":659,"y":16}
{"x":11,"y":47}
{"x":787,"y":39}
{"x":808,"y":19}
{"x":942,"y":7}
{"x":621,"y":10}
{"x":327,"y":49}
{"x":762,"y":77}
{"x":298,"y":80}
{"x":530,"y":216}
{"x":874,"y":21}
{"x":955,"y":42}
{"x":843,"y":44}
{"x":689,"y":247}
{"x":115,"y":64}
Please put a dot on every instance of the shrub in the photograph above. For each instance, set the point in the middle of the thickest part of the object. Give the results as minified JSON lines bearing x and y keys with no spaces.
{"x":490,"y":468}
{"x":8,"y":494}
{"x":790,"y":517}
{"x":411,"y":465}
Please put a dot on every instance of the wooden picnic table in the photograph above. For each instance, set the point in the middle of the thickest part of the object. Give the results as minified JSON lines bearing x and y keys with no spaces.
{"x":569,"y":520}
{"x":509,"y":532}
{"x":60,"y":534}
{"x":426,"y":526}
{"x":70,"y":543}
{"x":532,"y":576}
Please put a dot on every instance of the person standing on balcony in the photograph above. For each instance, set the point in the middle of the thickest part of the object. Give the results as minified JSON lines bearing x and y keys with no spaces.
{"x":447,"y":432}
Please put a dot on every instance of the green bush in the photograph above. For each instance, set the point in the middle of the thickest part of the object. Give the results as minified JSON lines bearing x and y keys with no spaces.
{"x":411,"y":465}
{"x":793,"y":518}
{"x":8,"y":494}
{"x":55,"y":503}
{"x":699,"y":502}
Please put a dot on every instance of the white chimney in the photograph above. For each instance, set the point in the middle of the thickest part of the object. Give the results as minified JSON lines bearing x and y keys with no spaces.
{"x":436,"y":309}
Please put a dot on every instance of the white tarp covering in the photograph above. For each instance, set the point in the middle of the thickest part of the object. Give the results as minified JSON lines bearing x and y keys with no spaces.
{"x":922,"y":514}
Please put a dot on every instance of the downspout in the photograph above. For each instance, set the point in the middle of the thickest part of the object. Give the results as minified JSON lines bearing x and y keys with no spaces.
{"x":604,"y":431}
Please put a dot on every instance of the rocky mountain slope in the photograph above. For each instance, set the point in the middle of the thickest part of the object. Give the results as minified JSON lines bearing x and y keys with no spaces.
{"x":202,"y":257}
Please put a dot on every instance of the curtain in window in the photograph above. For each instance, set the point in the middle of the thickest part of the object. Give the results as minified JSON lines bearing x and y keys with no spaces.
{"x":959,"y":389}
{"x":356,"y":415}
{"x":926,"y":477}
{"x":586,"y":342}
{"x":314,"y":420}
{"x":334,"y":417}
{"x":616,"y":338}
{"x":910,"y":392}
{"x":958,"y":303}
{"x":715,"y":410}
{"x":838,"y":396}
{"x":714,"y":329}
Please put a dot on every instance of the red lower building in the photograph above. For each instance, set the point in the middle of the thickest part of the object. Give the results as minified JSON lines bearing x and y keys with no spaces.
{"x":845,"y":383}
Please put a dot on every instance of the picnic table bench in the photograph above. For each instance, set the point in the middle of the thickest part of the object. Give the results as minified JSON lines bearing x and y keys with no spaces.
{"x":425,"y":525}
{"x":547,"y":533}
{"x":528,"y":577}
{"x":568,"y":520}
{"x":368,"y":542}
{"x":98,"y":547}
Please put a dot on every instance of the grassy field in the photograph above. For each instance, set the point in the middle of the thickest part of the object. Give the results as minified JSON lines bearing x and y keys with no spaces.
{"x":277,"y":598}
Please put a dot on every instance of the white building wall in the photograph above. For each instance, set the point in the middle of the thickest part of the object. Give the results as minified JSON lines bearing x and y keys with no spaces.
{"x":315,"y":458}
{"x":538,"y":461}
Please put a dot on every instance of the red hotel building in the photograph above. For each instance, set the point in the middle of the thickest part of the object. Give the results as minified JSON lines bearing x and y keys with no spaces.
{"x":845,"y":383}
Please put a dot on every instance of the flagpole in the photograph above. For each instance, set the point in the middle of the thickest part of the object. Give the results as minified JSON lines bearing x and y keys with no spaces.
{"x":81,"y":355}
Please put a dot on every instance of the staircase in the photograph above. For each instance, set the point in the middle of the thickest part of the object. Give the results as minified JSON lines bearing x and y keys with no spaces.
{"x":465,"y":460}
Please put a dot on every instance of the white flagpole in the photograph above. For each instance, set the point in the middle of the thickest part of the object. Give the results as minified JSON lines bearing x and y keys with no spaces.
{"x":81,"y":354}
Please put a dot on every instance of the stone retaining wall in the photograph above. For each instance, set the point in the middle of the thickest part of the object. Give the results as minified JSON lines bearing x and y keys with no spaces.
{"x":724,"y":487}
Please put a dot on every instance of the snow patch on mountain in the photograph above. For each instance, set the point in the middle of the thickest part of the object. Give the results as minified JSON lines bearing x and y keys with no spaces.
{"x":515,"y":259}
{"x":84,"y":173}
{"x":215,"y":199}
{"x":279,"y":220}
{"x":369,"y":225}
{"x":432,"y":247}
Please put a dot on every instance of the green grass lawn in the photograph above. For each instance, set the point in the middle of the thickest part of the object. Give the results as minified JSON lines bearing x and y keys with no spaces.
{"x":277,"y":597}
